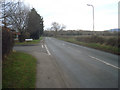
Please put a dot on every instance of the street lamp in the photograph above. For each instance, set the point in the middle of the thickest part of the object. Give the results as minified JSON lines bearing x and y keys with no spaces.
{"x":93,"y":14}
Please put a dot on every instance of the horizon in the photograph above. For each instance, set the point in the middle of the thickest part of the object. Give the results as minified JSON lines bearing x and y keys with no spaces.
{"x":84,"y":30}
{"x":75,"y":14}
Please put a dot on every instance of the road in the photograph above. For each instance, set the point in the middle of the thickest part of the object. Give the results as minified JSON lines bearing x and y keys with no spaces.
{"x":76,"y":66}
{"x":84,"y":67}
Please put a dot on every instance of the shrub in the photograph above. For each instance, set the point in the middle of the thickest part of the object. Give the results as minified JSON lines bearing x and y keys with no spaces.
{"x":97,"y":39}
{"x":83,"y":39}
{"x":27,"y":35}
{"x":21,"y":38}
{"x":7,"y":41}
{"x":92,"y":39}
{"x":112,"y":42}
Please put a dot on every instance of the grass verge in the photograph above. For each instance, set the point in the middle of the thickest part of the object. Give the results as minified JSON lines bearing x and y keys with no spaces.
{"x":29,"y":42}
{"x":19,"y":71}
{"x":98,"y":46}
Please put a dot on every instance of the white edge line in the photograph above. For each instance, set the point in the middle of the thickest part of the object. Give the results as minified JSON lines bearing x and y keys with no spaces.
{"x":42,"y":46}
{"x":47,"y":50}
{"x":104,"y":62}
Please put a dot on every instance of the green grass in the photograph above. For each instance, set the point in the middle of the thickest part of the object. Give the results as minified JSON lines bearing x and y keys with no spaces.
{"x":19,"y":71}
{"x":29,"y":42}
{"x":102,"y":47}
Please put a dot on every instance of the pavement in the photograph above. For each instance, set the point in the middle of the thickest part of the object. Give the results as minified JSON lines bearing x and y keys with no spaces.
{"x":65,"y":65}
{"x":48,"y":74}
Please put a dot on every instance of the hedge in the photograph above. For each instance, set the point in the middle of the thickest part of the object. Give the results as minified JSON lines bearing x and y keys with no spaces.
{"x":7,"y":42}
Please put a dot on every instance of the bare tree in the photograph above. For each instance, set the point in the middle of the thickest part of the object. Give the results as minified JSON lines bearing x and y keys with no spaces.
{"x":15,"y":15}
{"x":62,"y":27}
{"x":57,"y":27}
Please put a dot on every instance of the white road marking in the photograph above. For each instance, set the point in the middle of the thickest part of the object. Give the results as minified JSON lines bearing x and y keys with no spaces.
{"x":47,"y":50}
{"x":42,"y":46}
{"x":104,"y":62}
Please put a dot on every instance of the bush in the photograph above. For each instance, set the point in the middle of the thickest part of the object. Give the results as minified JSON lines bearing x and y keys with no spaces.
{"x":112,"y":42}
{"x":21,"y":38}
{"x":91,"y":39}
{"x":27,"y":35}
{"x":97,"y":39}
{"x":7,"y":42}
{"x":83,"y":39}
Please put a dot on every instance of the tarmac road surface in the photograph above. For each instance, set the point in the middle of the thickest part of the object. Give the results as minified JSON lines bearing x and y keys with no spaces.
{"x":84,"y":67}
{"x":62,"y":64}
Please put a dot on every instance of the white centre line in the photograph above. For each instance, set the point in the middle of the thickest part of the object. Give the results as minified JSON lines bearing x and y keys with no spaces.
{"x":47,"y":50}
{"x":104,"y":62}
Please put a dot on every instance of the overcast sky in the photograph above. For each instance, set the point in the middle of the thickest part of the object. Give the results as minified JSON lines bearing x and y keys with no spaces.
{"x":75,"y":14}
